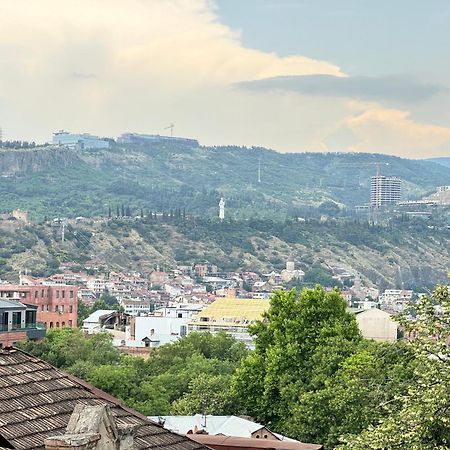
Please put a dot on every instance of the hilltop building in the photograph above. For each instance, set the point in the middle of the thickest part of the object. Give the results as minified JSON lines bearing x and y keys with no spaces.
{"x":78,"y":141}
{"x":290,"y":273}
{"x":137,"y":138}
{"x":384,"y":191}
{"x":232,"y":315}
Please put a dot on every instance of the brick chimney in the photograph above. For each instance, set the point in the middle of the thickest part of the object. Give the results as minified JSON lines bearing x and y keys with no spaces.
{"x":92,"y":428}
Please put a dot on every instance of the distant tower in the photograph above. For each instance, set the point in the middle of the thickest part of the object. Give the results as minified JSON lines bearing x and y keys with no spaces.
{"x":222,"y":209}
{"x":290,"y":263}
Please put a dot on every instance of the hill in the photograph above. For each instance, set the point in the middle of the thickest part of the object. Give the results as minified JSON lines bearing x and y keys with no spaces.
{"x":442,"y":161}
{"x":404,"y":254}
{"x":57,"y":182}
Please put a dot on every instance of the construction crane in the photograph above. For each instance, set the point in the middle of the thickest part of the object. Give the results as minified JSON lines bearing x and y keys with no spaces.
{"x":171,"y":127}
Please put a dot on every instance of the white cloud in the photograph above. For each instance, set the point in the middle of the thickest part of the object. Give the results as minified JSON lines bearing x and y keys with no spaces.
{"x":394,"y":131}
{"x":108,"y":66}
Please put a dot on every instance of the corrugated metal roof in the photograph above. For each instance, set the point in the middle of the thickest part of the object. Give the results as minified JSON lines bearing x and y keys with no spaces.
{"x":37,"y":400}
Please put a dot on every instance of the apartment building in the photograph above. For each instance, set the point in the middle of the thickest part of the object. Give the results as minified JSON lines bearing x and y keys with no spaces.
{"x":384,"y":191}
{"x":56,"y":304}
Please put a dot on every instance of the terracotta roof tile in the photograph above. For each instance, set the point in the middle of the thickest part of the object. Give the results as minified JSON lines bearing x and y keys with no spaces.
{"x":37,"y":400}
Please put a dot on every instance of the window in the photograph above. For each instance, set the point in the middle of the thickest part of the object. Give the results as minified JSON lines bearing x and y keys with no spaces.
{"x":51,"y":324}
{"x":63,"y":324}
{"x":57,"y":324}
{"x":47,"y":308}
{"x":70,"y":323}
{"x":57,"y":294}
{"x":56,"y":308}
{"x":42,"y":293}
{"x":70,"y":309}
{"x":42,"y":307}
{"x":36,"y":294}
{"x":63,"y":293}
{"x":61,"y":309}
{"x":70,"y":294}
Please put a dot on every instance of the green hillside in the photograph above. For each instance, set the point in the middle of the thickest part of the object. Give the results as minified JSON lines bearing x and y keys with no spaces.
{"x":51,"y":182}
{"x":405,"y":253}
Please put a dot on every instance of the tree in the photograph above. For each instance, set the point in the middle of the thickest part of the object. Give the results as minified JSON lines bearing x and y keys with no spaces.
{"x":422,"y":420}
{"x":352,"y":398}
{"x":206,"y":395}
{"x":300,"y":343}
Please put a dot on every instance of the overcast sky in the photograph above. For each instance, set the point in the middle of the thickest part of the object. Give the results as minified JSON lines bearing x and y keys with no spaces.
{"x":292,"y":75}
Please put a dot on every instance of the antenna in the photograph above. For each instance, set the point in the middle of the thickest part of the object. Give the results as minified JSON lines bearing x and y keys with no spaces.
{"x":171,"y":126}
{"x":259,"y":170}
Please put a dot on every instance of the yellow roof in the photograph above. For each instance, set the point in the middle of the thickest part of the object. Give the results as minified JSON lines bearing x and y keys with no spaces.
{"x":234,"y":311}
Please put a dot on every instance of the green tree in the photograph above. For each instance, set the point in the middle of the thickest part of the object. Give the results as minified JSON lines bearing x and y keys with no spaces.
{"x":422,"y":420}
{"x":352,"y":398}
{"x":206,"y":395}
{"x":300,"y":343}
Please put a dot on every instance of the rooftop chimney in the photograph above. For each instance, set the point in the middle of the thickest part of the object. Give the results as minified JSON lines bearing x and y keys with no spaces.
{"x":92,"y":428}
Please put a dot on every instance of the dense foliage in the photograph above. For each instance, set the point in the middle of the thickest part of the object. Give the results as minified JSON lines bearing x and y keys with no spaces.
{"x":311,"y":376}
{"x":164,"y":177}
{"x":420,"y":418}
{"x":190,"y":376}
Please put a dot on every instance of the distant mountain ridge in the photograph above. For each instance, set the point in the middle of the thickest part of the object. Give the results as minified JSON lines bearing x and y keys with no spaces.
{"x":444,"y":161}
{"x":57,"y":182}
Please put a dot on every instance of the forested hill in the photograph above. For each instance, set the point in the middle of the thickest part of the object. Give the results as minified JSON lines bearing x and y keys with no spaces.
{"x":50,"y":181}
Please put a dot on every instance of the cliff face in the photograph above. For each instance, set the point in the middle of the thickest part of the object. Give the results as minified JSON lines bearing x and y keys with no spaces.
{"x":20,"y":161}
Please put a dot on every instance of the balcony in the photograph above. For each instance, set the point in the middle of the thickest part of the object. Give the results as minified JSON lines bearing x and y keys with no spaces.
{"x":34,"y":330}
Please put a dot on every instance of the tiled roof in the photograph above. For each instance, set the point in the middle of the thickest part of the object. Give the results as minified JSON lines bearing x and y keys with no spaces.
{"x":37,"y":400}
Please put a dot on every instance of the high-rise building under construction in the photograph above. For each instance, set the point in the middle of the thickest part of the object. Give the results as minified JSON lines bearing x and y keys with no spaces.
{"x":384,"y":191}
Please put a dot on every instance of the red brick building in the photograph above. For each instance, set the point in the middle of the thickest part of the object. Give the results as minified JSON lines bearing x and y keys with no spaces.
{"x":56,"y":304}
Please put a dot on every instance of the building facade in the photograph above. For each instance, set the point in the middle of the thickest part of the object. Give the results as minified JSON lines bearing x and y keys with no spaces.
{"x":56,"y":304}
{"x":384,"y":191}
{"x":18,"y":322}
{"x":78,"y":141}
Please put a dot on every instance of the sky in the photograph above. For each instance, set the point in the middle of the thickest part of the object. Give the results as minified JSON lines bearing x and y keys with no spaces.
{"x":292,"y":75}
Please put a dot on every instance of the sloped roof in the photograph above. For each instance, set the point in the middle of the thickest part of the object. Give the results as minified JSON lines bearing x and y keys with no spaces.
{"x":224,"y":425}
{"x":37,"y":400}
{"x":227,"y":442}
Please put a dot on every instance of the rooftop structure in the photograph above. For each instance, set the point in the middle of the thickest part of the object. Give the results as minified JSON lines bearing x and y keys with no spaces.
{"x":232,"y":315}
{"x":218,"y":425}
{"x":78,"y":141}
{"x":37,"y":403}
{"x":237,"y":443}
{"x":18,"y":322}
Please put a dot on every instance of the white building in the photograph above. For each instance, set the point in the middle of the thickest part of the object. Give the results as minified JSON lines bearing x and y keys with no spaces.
{"x":395,"y":299}
{"x":218,"y":425}
{"x":164,"y":326}
{"x":376,"y":324}
{"x":136,"y":307}
{"x":93,"y":323}
{"x":78,"y":141}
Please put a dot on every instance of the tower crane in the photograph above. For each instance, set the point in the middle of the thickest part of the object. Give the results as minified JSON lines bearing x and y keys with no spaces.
{"x":171,"y":127}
